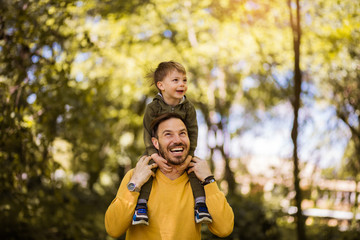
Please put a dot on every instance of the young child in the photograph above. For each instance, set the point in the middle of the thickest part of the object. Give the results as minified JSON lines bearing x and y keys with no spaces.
{"x":170,"y":80}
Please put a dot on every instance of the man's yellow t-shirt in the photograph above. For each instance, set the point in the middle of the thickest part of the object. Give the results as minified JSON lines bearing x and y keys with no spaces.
{"x":170,"y":211}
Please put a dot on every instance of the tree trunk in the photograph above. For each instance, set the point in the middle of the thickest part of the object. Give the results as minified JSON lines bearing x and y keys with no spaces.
{"x":296,"y":31}
{"x":229,"y":175}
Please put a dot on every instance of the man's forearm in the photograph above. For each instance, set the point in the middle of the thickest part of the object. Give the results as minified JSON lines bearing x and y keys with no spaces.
{"x":220,"y":210}
{"x":119,"y":214}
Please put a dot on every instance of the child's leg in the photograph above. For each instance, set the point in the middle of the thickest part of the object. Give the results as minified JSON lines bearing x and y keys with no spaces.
{"x":197,"y":188}
{"x":146,"y":188}
{"x":202,"y":214}
{"x":140,"y":214}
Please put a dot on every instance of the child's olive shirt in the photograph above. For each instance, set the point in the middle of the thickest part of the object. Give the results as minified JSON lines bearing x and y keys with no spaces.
{"x":158,"y":107}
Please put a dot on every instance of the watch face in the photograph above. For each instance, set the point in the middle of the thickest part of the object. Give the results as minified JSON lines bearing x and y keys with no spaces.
{"x":131,"y":186}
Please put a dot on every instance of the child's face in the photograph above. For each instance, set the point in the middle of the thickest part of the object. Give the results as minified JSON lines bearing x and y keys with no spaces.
{"x":173,"y":87}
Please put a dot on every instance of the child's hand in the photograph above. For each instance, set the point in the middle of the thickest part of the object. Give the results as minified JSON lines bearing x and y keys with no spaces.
{"x":182,"y":167}
{"x":200,"y":168}
{"x":161,"y":162}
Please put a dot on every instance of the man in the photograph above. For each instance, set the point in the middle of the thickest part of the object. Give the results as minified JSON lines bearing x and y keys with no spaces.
{"x":171,"y":201}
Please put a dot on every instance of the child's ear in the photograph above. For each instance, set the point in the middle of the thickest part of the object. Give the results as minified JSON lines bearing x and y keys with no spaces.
{"x":160,"y":85}
{"x":155,"y":142}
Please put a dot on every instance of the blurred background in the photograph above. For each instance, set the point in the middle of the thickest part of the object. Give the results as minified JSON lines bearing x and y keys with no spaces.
{"x":276,"y":85}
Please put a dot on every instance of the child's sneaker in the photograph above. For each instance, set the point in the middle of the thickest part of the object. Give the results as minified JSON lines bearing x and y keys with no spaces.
{"x":140,"y":215}
{"x":202,"y":214}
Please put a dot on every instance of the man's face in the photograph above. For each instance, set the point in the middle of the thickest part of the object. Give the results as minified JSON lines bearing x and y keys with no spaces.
{"x":173,"y":141}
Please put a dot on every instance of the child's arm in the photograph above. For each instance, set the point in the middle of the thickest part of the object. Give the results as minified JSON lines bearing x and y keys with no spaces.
{"x":192,"y":127}
{"x":161,"y":162}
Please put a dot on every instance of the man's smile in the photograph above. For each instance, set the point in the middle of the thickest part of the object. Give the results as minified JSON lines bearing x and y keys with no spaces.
{"x":177,"y":149}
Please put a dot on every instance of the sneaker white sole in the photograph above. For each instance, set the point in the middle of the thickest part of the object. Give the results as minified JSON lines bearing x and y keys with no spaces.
{"x":203,"y":220}
{"x":140,"y":222}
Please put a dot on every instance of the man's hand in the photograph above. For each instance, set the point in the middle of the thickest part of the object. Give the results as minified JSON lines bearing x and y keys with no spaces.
{"x":142,"y":171}
{"x":200,"y":167}
{"x":161,"y":162}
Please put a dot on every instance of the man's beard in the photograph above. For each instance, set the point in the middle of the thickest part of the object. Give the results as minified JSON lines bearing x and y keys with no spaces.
{"x":177,"y":160}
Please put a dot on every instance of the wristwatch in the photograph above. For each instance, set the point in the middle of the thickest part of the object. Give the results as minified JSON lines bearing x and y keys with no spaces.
{"x":209,"y":179}
{"x":132,"y":187}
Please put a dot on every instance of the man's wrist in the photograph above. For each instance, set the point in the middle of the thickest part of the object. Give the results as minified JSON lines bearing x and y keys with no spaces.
{"x":208,"y":180}
{"x":132,"y":187}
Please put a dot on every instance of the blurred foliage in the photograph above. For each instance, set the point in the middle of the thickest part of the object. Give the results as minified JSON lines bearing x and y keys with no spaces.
{"x":322,"y":232}
{"x":72,"y":96}
{"x":339,"y":55}
{"x":251,"y":221}
{"x":340,"y":82}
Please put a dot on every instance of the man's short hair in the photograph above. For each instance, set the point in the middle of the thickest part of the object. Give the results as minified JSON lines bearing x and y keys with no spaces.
{"x":161,"y":118}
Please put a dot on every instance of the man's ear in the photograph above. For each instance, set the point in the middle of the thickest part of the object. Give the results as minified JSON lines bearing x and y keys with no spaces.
{"x":155,"y":142}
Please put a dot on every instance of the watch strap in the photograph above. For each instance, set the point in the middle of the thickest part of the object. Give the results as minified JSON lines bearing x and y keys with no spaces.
{"x":132,"y":187}
{"x":208,"y":180}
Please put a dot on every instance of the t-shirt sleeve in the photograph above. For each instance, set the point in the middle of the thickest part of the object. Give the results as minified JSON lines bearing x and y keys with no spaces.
{"x":220,"y":210}
{"x":119,"y":214}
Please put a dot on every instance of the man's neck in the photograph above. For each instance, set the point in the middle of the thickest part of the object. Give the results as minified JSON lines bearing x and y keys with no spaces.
{"x":175,"y":173}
